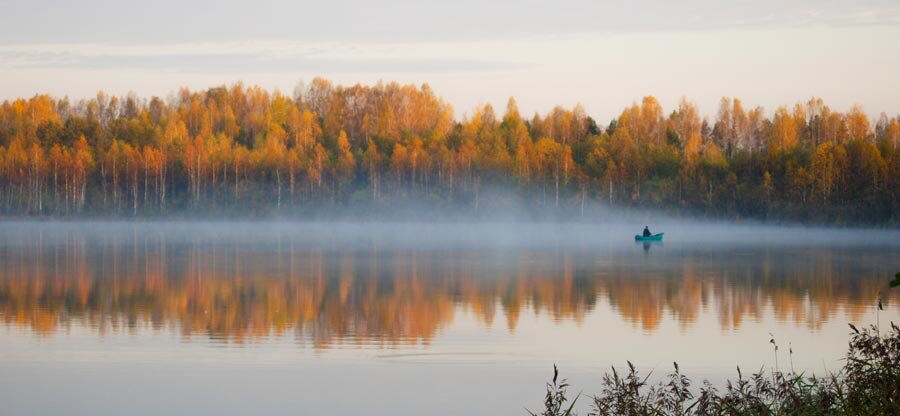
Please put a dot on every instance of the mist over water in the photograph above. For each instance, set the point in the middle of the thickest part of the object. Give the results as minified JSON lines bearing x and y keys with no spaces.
{"x":502,"y":233}
{"x":271,"y":312}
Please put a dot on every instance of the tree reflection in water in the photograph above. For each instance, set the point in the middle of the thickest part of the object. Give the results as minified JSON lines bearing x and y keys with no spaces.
{"x":234,"y":290}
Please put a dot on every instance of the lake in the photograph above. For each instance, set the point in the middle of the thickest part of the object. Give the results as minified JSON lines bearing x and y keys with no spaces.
{"x":392,"y":318}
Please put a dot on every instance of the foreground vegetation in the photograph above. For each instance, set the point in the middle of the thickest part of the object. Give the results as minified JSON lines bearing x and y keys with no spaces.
{"x":867,"y":384}
{"x":329,"y":148}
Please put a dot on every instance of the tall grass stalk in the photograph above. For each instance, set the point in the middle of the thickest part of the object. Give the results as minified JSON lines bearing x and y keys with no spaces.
{"x":867,"y":384}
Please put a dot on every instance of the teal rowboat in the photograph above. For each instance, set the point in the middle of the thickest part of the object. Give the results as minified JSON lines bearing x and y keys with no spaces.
{"x":654,"y":237}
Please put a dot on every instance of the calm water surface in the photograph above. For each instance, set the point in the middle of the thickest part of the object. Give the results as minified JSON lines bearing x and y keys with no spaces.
{"x":263,"y":318}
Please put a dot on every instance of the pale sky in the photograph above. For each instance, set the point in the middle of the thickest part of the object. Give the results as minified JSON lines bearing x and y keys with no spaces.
{"x":603,"y":54}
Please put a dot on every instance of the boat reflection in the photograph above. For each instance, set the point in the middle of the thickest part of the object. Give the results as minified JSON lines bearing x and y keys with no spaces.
{"x":647,"y":244}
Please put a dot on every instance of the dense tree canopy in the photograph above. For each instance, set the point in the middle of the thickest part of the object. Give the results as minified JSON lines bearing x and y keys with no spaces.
{"x":245,"y":150}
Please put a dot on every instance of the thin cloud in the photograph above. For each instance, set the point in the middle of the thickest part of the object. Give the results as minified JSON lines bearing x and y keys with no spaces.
{"x":272,"y":56}
{"x":413,"y":20}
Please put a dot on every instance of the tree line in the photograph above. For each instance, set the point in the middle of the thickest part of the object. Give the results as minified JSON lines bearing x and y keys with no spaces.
{"x":244,"y":150}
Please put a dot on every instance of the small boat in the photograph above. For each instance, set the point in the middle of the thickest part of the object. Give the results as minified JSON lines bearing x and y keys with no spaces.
{"x":654,"y":237}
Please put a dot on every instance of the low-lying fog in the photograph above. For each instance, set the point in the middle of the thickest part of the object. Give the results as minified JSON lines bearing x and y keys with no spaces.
{"x":420,"y":235}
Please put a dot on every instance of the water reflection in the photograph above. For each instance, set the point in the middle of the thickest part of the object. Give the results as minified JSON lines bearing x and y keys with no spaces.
{"x":325,"y":293}
{"x":648,"y":244}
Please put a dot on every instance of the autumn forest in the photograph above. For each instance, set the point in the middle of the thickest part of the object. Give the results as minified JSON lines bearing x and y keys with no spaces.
{"x":243,"y":150}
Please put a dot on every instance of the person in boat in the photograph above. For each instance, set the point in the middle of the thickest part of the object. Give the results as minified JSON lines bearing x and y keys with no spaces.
{"x":647,"y":232}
